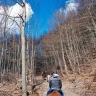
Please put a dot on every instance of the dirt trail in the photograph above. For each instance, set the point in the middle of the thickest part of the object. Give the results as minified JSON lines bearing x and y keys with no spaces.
{"x":67,"y":89}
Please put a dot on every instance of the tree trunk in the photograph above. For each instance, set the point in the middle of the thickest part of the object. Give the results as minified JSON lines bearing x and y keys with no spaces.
{"x":23,"y":50}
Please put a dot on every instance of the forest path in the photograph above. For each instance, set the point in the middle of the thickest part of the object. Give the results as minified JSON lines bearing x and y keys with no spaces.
{"x":68,"y":89}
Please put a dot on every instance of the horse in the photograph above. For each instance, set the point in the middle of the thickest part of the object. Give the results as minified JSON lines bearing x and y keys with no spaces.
{"x":54,"y":93}
{"x":48,"y":78}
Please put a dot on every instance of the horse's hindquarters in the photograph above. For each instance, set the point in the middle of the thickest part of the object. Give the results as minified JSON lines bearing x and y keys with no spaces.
{"x":48,"y":78}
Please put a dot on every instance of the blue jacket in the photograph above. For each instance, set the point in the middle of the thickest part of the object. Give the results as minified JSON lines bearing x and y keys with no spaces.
{"x":55,"y":82}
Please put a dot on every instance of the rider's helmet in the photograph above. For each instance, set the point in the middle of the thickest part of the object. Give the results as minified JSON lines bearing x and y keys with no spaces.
{"x":55,"y":75}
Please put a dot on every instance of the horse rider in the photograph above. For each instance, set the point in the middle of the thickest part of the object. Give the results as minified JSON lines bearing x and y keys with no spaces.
{"x":43,"y":74}
{"x":55,"y":83}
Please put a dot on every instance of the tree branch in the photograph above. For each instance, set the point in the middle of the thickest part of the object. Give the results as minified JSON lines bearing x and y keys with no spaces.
{"x":12,"y":18}
{"x":18,"y":3}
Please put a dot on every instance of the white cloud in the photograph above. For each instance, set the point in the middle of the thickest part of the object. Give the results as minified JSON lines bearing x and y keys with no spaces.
{"x":15,"y":11}
{"x":69,"y":1}
{"x":71,"y":5}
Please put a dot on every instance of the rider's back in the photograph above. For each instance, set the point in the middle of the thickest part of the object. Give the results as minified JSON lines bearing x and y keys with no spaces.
{"x":55,"y":82}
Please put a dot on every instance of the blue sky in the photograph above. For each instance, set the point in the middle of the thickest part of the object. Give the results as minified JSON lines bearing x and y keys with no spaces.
{"x":43,"y":12}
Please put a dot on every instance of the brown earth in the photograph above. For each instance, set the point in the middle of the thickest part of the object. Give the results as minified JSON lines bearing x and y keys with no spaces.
{"x":83,"y":84}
